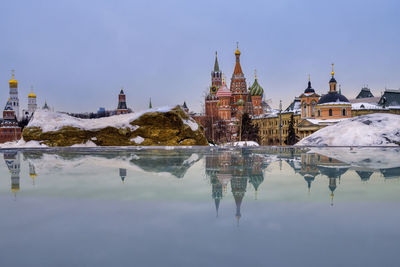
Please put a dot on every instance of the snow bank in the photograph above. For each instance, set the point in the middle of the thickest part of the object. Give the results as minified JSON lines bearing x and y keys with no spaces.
{"x":50,"y":121}
{"x":22,"y":144}
{"x":379,"y":129}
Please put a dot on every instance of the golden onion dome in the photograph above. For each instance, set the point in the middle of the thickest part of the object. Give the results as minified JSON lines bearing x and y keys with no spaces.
{"x":32,"y":95}
{"x":237,"y":52}
{"x":13,"y":83}
{"x":33,"y":175}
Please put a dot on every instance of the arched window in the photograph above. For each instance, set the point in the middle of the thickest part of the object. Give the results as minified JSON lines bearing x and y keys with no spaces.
{"x":304,"y":110}
{"x":344,"y":112}
{"x":330,"y":112}
{"x":319,"y":113}
{"x":313,"y":108}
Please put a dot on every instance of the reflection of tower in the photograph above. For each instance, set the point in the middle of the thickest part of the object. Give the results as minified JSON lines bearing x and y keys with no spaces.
{"x":256,"y":180}
{"x":216,"y":191}
{"x":13,"y":163}
{"x":238,"y":184}
{"x":364,"y":175}
{"x":32,"y":172}
{"x":122,"y":174}
{"x":309,"y":168}
{"x":332,"y":187}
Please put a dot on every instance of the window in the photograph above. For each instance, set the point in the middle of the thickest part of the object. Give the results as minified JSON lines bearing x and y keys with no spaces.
{"x":319,"y":113}
{"x":330,"y":112}
{"x":313,"y":109}
{"x":344,"y":112}
{"x":304,"y":109}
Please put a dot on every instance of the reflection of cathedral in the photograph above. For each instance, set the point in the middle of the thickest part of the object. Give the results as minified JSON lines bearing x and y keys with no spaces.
{"x":237,"y":167}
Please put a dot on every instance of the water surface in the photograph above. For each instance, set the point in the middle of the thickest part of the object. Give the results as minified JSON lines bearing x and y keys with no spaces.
{"x":200,"y":207}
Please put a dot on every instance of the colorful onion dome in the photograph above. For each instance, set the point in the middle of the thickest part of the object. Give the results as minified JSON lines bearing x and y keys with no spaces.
{"x":256,"y":89}
{"x":13,"y":83}
{"x":224,"y":91}
{"x":240,"y":102}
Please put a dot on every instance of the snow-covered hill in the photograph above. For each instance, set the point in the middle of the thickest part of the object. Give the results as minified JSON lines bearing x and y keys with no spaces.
{"x":379,"y":129}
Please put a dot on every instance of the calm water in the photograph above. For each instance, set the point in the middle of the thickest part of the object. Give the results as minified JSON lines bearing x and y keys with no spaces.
{"x":200,"y":207}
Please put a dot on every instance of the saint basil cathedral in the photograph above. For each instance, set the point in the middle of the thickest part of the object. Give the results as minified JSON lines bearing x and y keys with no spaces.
{"x":225,"y":105}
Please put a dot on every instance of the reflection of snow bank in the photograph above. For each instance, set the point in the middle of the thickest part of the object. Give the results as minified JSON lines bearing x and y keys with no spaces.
{"x":241,"y":144}
{"x":379,"y":129}
{"x":372,"y":158}
{"x":193,"y":158}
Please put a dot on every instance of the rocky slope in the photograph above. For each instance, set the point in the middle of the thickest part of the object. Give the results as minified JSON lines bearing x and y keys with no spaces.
{"x":155,"y":127}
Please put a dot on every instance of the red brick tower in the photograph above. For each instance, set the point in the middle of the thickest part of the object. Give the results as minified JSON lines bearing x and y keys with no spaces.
{"x":9,"y":129}
{"x":122,"y":108}
{"x":238,"y":84}
{"x":211,"y":100}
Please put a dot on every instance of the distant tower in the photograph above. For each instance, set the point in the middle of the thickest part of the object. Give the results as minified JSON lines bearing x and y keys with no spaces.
{"x":32,"y":105}
{"x":185,"y":107}
{"x":46,"y":106}
{"x":14,"y":95}
{"x":150,"y":105}
{"x":122,"y":109}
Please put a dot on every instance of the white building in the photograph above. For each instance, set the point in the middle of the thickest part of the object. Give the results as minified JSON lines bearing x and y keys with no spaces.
{"x":14,"y":95}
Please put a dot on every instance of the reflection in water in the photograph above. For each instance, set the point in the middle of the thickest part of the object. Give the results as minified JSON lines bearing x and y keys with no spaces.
{"x":239,"y":168}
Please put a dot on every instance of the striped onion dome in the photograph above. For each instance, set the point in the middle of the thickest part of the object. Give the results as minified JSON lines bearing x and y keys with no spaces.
{"x":256,"y":89}
{"x":223,"y":91}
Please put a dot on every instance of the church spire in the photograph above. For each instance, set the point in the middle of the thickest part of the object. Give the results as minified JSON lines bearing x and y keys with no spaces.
{"x":332,"y":82}
{"x":216,"y":65}
{"x":238,"y":69}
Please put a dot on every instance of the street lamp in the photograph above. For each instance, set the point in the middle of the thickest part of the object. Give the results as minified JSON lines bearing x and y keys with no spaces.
{"x":280,"y":122}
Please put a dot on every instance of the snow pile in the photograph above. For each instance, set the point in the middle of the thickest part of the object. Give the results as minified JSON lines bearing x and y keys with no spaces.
{"x":22,"y":144}
{"x":87,"y":144}
{"x":50,"y":121}
{"x":138,"y":140}
{"x":379,"y":129}
{"x":191,"y":123}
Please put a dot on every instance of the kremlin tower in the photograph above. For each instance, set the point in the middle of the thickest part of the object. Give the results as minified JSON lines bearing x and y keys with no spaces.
{"x":122,"y":108}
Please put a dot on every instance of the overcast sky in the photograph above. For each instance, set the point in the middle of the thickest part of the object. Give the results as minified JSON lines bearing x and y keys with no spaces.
{"x":78,"y":54}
